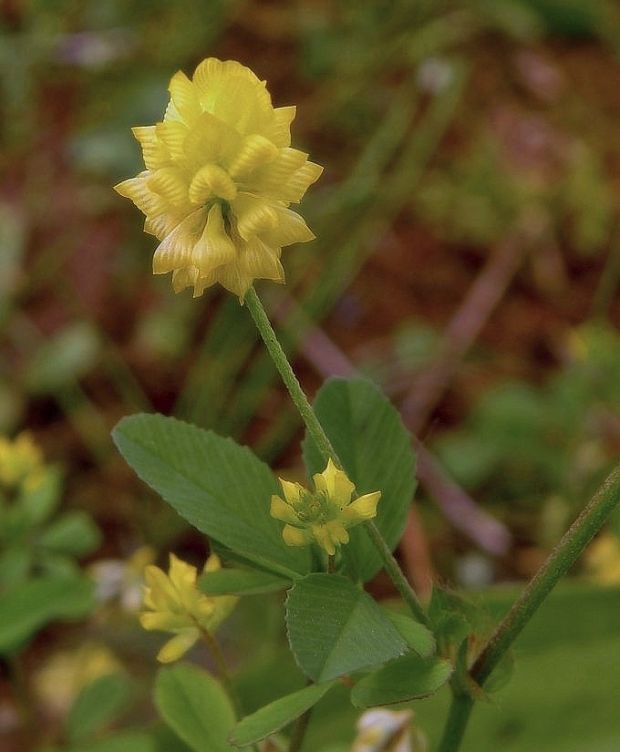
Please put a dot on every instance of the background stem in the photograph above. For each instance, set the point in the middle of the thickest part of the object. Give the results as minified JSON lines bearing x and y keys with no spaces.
{"x":299,"y":731}
{"x":561,"y":559}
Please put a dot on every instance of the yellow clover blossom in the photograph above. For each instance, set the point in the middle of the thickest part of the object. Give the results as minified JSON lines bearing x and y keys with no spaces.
{"x":324,"y":515}
{"x":603,"y":559}
{"x":173,"y":603}
{"x":21,"y":462}
{"x":220,"y":176}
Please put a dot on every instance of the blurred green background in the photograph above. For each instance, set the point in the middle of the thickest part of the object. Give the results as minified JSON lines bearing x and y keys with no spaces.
{"x":467,"y":260}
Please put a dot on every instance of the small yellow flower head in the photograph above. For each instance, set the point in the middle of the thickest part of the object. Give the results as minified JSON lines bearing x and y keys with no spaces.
{"x":323,"y":516}
{"x":174,"y":604}
{"x":220,"y":176}
{"x":603,"y":559}
{"x":67,"y":672}
{"x":21,"y":462}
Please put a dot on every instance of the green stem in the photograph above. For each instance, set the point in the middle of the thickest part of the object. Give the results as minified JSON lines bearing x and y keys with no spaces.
{"x":458,"y":717}
{"x":299,"y":731}
{"x":315,"y":429}
{"x":561,"y":559}
{"x":288,"y":377}
{"x":391,"y":566}
{"x":222,"y":669}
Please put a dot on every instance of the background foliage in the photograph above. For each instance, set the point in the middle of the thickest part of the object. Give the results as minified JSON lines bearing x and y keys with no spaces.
{"x":467,"y":260}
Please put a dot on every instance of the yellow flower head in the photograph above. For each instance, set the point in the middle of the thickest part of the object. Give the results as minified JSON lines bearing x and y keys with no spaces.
{"x":324,"y":515}
{"x":603,"y":559}
{"x":220,"y":176}
{"x":173,"y":603}
{"x":21,"y":462}
{"x":67,"y":672}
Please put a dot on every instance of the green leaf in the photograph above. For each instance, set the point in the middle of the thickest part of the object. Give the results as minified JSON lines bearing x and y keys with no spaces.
{"x":74,"y":533}
{"x":166,"y":740}
{"x":64,"y":357}
{"x":408,"y":678}
{"x":33,"y":604}
{"x":501,"y":675}
{"x":335,"y":628}
{"x":375,"y":449}
{"x":124,"y":741}
{"x":195,"y":707}
{"x":221,"y":488}
{"x":98,"y":705}
{"x":15,"y":564}
{"x":41,"y":501}
{"x":241,"y":582}
{"x":277,"y":714}
{"x":416,"y":635}
{"x":452,"y":617}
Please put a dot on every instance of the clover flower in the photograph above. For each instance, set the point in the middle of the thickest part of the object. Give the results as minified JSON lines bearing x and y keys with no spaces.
{"x":21,"y":462}
{"x":324,"y":515}
{"x":603,"y":559}
{"x":174,"y":604}
{"x":220,"y":176}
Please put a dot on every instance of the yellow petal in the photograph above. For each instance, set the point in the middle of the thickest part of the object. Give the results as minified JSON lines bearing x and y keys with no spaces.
{"x":160,"y":590}
{"x":205,"y":280}
{"x":147,"y":599}
{"x":323,"y":538}
{"x":214,"y":248}
{"x":183,"y":278}
{"x":213,"y":563}
{"x":259,"y":261}
{"x":173,"y":133}
{"x":233,"y":278}
{"x":185,"y":97}
{"x":364,"y":508}
{"x":162,"y":224}
{"x":210,"y":140}
{"x":280,"y":129}
{"x":335,"y":484}
{"x":299,"y":182}
{"x":137,"y":190}
{"x":282,"y":511}
{"x":178,"y":646}
{"x":171,"y":184}
{"x":254,"y":215}
{"x":213,"y":73}
{"x":175,"y":250}
{"x":210,"y":181}
{"x":270,"y":179}
{"x":287,"y":180}
{"x":203,"y":608}
{"x":294,"y":536}
{"x":238,"y":100}
{"x":291,"y":228}
{"x":256,"y":151}
{"x":337,"y":532}
{"x":182,"y":575}
{"x":154,"y":152}
{"x":164,"y":621}
{"x":292,"y":491}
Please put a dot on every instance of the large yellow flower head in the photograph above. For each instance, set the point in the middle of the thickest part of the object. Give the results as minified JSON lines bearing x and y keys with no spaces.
{"x":173,"y":603}
{"x":220,"y":176}
{"x":324,"y":515}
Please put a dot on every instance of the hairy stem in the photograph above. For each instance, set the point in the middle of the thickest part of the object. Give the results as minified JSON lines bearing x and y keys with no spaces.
{"x":288,"y":377}
{"x":315,"y":429}
{"x":561,"y":559}
{"x":391,"y":566}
